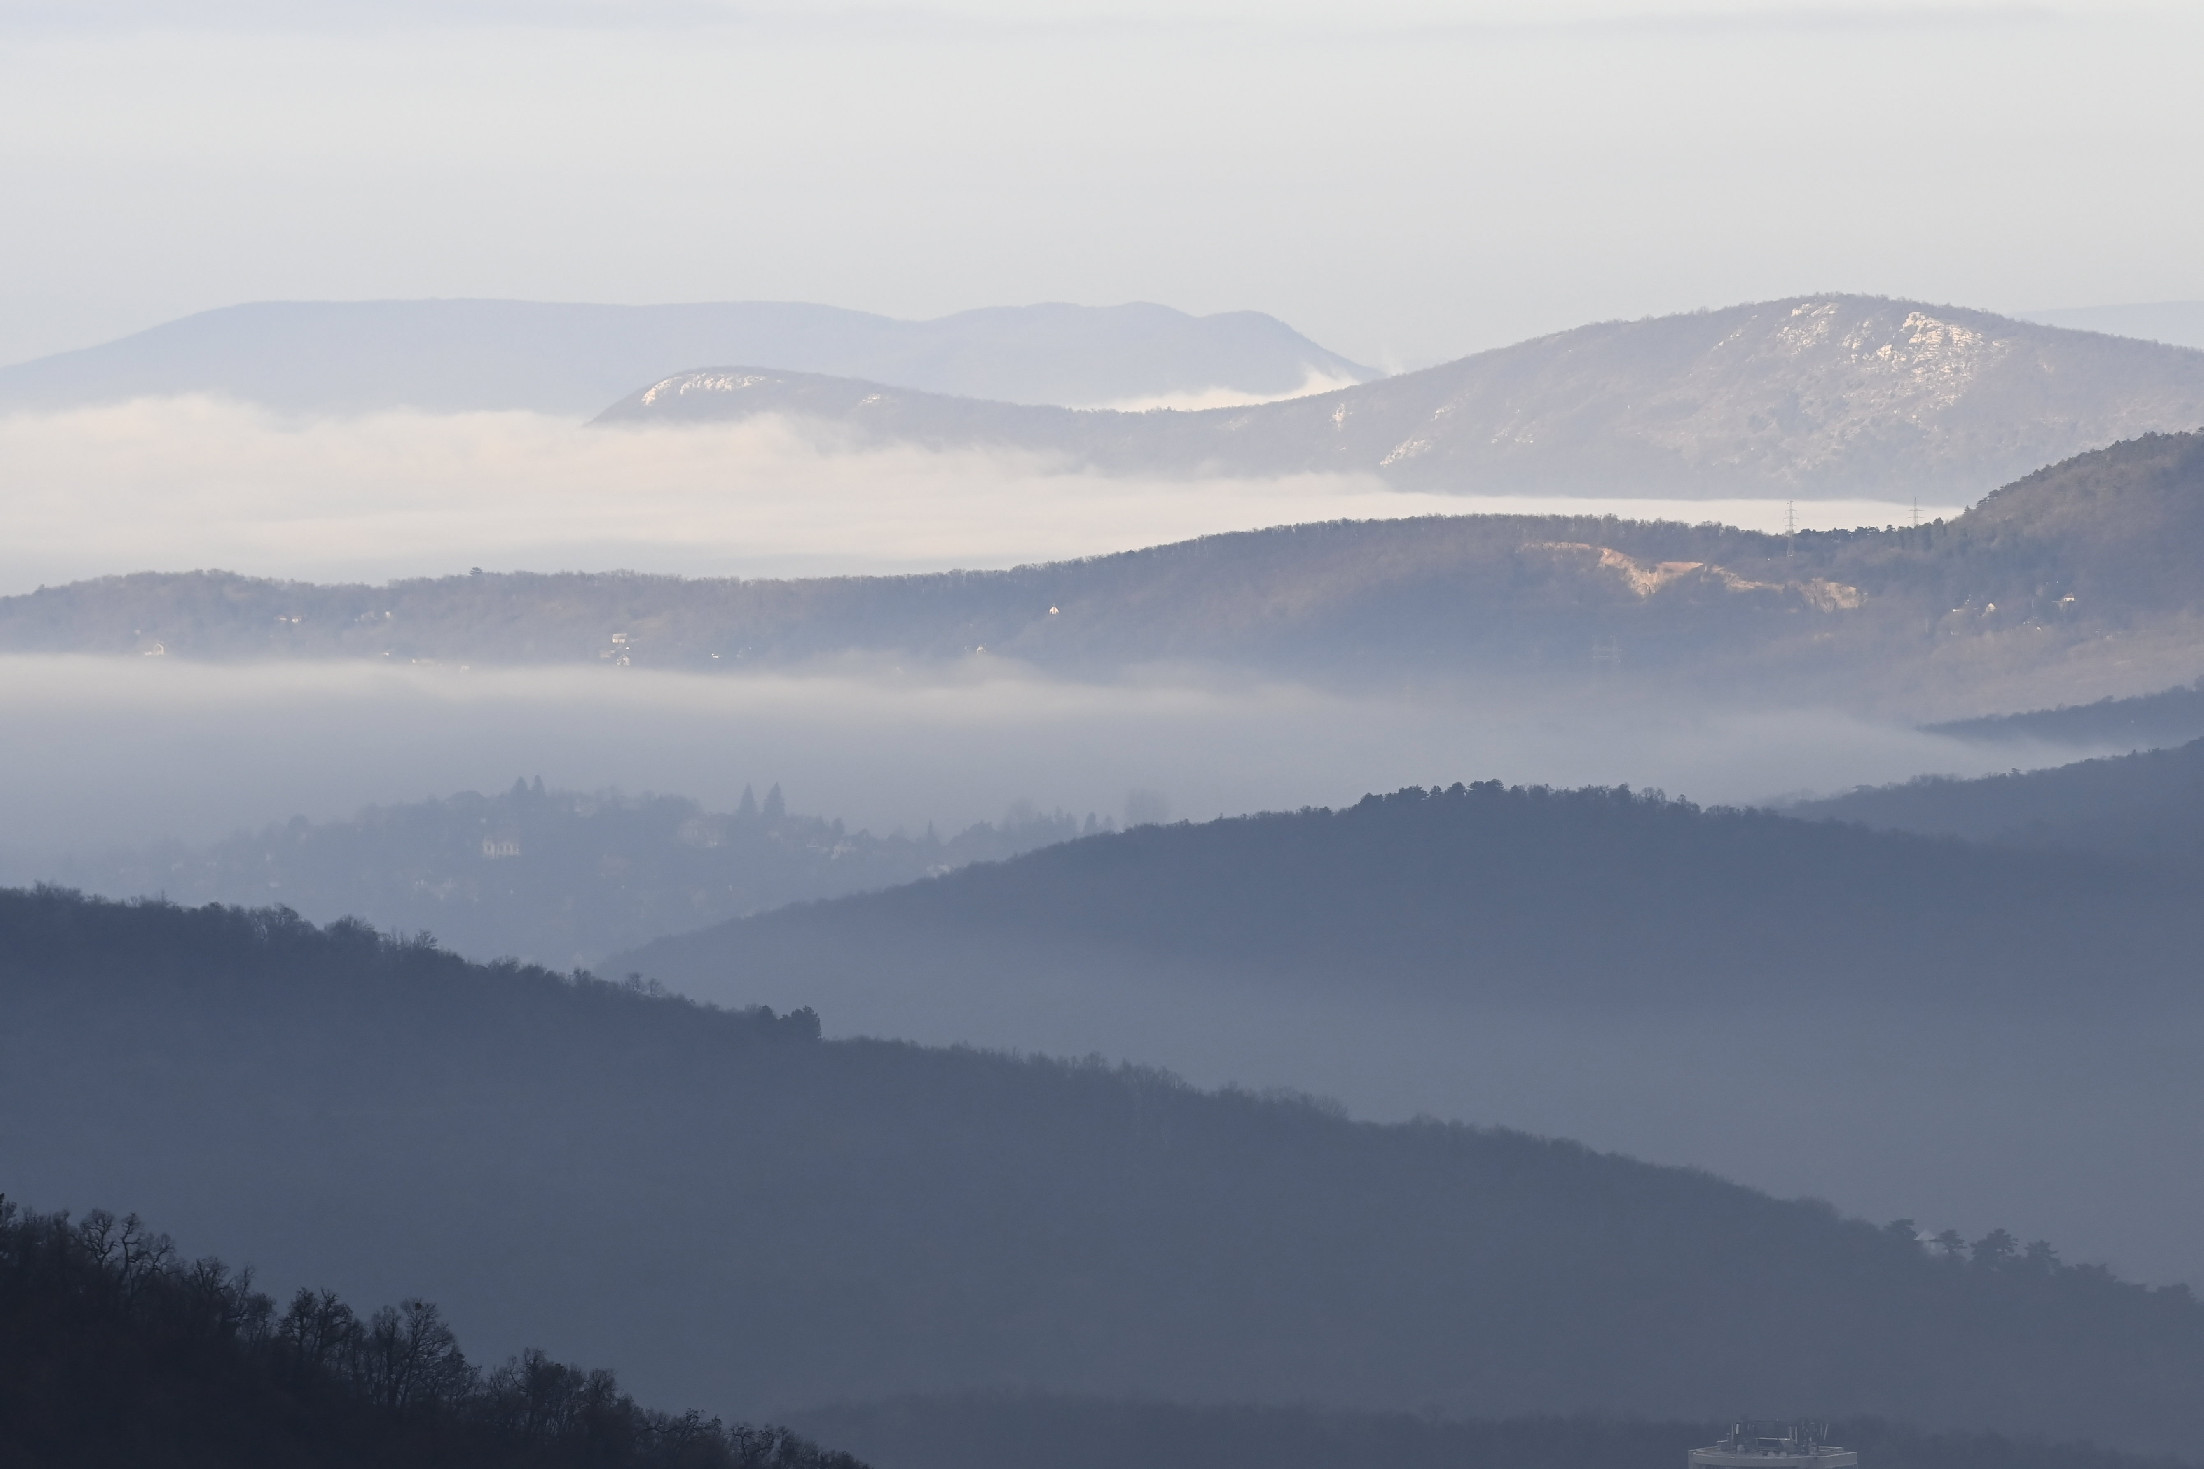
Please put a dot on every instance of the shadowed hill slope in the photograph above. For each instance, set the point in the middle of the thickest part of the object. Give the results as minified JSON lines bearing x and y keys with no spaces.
{"x":1480,"y":892}
{"x":2140,"y":722}
{"x":730,"y":1209}
{"x":1814,"y":395}
{"x":1901,"y":1023}
{"x":2147,"y":806}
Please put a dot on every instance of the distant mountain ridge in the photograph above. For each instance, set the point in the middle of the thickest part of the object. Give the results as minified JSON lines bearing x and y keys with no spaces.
{"x":1813,"y":396}
{"x":572,"y":359}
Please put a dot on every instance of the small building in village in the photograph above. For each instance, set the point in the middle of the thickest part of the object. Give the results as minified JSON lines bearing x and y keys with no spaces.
{"x":1753,"y":1445}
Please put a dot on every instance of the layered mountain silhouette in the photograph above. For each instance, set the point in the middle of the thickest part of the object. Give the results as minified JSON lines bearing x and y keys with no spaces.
{"x":1809,"y":396}
{"x":554,"y":876}
{"x":456,"y":356}
{"x":2139,"y":722}
{"x":730,"y":1209}
{"x":2017,"y":599}
{"x":2148,"y":806}
{"x":1811,"y":1006}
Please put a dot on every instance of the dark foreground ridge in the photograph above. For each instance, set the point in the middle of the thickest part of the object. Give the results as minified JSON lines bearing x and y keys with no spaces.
{"x":117,"y":1353}
{"x":731,"y":1208}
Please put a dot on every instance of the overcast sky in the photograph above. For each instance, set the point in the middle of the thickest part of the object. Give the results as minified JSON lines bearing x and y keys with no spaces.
{"x":1404,"y":181}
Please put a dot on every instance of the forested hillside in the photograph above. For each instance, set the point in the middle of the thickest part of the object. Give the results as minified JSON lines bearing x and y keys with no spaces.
{"x":1016,"y":1431}
{"x":555,"y":877}
{"x":118,"y":1353}
{"x":1482,"y":892}
{"x":2144,"y":721}
{"x":2020,"y":598}
{"x":1871,"y":1016}
{"x":736,"y":1212}
{"x":2147,"y":806}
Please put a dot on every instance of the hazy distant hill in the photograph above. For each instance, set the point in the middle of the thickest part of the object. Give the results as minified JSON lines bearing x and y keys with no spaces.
{"x":2145,"y":721}
{"x":730,"y":1210}
{"x":1805,"y":1005}
{"x":1472,"y":894}
{"x":1811,"y":396}
{"x":2074,"y":581}
{"x":453,"y":356}
{"x":553,"y":877}
{"x":2148,"y":805}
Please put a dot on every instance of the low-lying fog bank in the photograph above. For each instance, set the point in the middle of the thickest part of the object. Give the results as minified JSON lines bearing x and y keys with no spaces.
{"x":187,"y":483}
{"x":103,"y":752}
{"x":1957,"y":1128}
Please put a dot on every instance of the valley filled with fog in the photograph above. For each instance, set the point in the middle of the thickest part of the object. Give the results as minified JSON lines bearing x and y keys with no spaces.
{"x":176,"y":484}
{"x":1014,"y":734}
{"x":105,"y":752}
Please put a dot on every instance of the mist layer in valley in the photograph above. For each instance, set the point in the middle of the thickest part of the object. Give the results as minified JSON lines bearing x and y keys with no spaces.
{"x":101,"y":752}
{"x":177,"y":484}
{"x":105,"y":759}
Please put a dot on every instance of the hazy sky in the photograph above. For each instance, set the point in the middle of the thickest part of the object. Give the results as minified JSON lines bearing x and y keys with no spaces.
{"x":1403,"y":181}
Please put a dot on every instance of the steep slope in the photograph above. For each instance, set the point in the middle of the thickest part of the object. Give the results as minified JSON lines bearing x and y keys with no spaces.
{"x":2081,"y":579}
{"x":1810,"y":396}
{"x":732,"y":1210}
{"x":569,"y":359}
{"x":1695,"y":986}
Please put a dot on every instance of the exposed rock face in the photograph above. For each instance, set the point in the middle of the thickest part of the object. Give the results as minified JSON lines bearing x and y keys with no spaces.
{"x":1813,"y":396}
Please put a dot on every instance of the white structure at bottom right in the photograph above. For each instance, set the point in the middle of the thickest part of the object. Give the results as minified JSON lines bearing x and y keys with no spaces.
{"x":1753,"y":1445}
